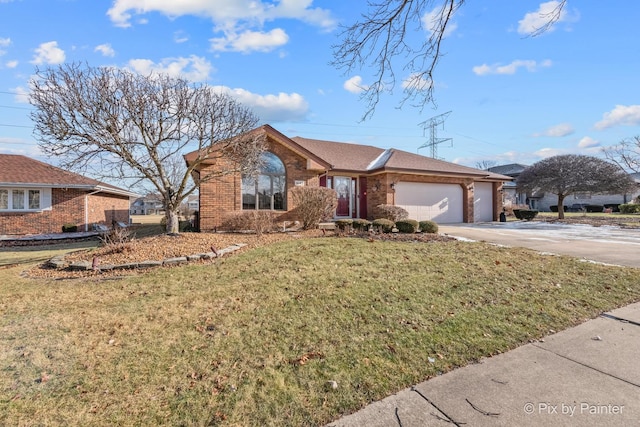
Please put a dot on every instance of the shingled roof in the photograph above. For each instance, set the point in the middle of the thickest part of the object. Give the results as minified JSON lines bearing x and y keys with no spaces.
{"x":21,"y":171}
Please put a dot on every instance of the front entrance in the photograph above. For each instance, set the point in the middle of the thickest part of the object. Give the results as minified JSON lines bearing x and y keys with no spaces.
{"x":342,"y":185}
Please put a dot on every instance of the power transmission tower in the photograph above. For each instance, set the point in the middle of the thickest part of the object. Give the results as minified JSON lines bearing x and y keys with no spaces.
{"x":432,"y":124}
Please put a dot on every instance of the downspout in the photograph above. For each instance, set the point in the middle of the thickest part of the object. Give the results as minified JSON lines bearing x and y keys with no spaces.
{"x":86,"y":209}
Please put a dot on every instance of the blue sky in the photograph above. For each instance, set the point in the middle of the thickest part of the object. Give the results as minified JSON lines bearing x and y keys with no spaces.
{"x":512,"y":97}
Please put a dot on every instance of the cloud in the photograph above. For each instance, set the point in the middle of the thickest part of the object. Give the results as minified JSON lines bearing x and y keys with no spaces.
{"x":416,"y":81}
{"x":180,"y":37}
{"x":560,"y":130}
{"x":354,"y":85}
{"x":21,"y":95}
{"x":431,"y":22}
{"x":48,"y":53}
{"x":628,"y":115}
{"x":588,"y":142}
{"x":227,"y":14}
{"x":105,"y":49}
{"x":250,"y":41}
{"x":4,"y":42}
{"x":535,"y":21}
{"x":11,"y":64}
{"x":193,"y":68}
{"x":283,"y":107}
{"x":529,"y":65}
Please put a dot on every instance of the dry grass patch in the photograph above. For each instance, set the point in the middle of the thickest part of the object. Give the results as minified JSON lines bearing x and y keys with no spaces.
{"x":260,"y":337}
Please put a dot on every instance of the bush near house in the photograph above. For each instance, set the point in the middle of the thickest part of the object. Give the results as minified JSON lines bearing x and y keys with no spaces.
{"x":314,"y":205}
{"x":525,"y":214}
{"x":344,"y":224}
{"x":257,"y":221}
{"x":407,"y":226}
{"x":554,"y":208}
{"x":69,"y":228}
{"x":594,"y":208}
{"x":384,"y":225}
{"x":615,"y":207}
{"x":390,"y":212}
{"x":630,"y":208}
{"x":428,"y":227}
{"x":361,"y":224}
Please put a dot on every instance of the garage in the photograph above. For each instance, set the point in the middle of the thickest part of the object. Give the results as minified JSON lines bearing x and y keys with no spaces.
{"x":483,"y":202}
{"x":441,"y":203}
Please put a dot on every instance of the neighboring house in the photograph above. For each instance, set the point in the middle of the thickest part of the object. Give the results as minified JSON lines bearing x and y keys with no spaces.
{"x":193,"y":203}
{"x":37,"y":198}
{"x":148,"y":205}
{"x":363,"y":177}
{"x":543,"y":201}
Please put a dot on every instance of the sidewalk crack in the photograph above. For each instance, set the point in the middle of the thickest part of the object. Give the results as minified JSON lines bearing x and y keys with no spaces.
{"x":619,"y":319}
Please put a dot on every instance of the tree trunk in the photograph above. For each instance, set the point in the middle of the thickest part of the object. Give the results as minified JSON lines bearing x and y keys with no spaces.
{"x":560,"y":206}
{"x":173,"y":223}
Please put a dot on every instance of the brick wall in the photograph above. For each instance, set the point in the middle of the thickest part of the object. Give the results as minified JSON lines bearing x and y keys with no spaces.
{"x":67,"y":207}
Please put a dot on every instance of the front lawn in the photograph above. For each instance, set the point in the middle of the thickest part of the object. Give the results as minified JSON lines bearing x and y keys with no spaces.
{"x":295,"y":333}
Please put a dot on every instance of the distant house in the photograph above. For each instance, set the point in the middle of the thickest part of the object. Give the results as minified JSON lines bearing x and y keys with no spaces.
{"x":362,"y":176}
{"x":150,"y":204}
{"x":544,"y":201}
{"x":37,"y":198}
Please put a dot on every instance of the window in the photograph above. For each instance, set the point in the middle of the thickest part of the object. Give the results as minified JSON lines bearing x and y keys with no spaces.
{"x":266,"y":190}
{"x":16,"y":199}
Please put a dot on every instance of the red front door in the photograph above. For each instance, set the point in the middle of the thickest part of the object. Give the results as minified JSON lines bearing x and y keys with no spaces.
{"x":342,"y":185}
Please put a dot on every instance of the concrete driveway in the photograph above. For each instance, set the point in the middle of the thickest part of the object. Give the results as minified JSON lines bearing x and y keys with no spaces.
{"x":611,"y":245}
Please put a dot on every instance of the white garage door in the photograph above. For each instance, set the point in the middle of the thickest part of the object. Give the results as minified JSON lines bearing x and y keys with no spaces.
{"x":441,"y":203}
{"x":483,"y":202}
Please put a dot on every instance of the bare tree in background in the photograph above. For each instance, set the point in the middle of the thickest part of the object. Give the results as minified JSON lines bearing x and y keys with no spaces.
{"x":626,"y":154}
{"x":571,"y":173}
{"x":485,"y":164}
{"x":126,"y":126}
{"x":383,"y":34}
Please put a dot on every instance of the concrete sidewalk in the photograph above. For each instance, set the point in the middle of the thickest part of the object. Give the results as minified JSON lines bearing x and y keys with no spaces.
{"x":588,"y":375}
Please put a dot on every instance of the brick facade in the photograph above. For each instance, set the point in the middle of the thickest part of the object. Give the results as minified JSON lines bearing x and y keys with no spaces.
{"x":67,"y":207}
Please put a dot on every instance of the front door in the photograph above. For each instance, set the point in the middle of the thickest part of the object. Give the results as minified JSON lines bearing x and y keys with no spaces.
{"x":342,"y":185}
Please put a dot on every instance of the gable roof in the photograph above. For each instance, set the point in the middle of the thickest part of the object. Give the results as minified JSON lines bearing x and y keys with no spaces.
{"x":21,"y":171}
{"x":368,"y":159}
{"x":512,"y":169}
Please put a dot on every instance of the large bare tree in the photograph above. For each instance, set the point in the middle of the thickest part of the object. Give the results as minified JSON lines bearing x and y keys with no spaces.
{"x":626,"y":154}
{"x":384,"y":33}
{"x":113,"y":123}
{"x":571,"y":173}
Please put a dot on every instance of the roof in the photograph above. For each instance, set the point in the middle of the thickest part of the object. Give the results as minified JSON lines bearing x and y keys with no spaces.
{"x":17,"y":170}
{"x":368,"y":159}
{"x":512,"y":169}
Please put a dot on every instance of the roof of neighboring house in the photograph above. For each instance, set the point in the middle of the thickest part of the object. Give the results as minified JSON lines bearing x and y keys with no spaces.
{"x":510,"y":169}
{"x":17,"y":170}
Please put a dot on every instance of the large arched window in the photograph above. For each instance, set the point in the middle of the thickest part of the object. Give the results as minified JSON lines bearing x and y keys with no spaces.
{"x":267,"y":190}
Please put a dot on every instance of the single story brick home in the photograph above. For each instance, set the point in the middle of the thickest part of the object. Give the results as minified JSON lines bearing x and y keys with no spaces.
{"x":37,"y":198}
{"x":363,"y":177}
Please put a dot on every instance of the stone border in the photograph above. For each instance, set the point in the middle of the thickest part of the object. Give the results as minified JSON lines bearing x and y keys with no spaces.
{"x":58,"y":262}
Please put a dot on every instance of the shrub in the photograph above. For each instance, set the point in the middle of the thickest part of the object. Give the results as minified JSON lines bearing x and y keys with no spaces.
{"x":594,"y":208}
{"x":69,"y":228}
{"x":361,"y":224}
{"x":615,"y":207}
{"x":384,"y":225}
{"x":525,"y":214}
{"x":116,"y":240}
{"x":390,"y":212}
{"x":344,"y":224}
{"x":428,"y":226}
{"x":407,"y":225}
{"x":630,"y":208}
{"x":257,"y":221}
{"x":314,"y":205}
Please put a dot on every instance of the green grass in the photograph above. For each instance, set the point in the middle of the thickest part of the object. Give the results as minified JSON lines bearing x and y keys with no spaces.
{"x":256,"y":338}
{"x":28,"y":254}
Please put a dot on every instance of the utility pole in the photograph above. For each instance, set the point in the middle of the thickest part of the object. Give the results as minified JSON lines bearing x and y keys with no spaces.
{"x":432,"y":124}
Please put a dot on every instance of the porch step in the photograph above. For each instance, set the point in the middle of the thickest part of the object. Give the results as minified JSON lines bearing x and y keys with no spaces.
{"x":327,"y":226}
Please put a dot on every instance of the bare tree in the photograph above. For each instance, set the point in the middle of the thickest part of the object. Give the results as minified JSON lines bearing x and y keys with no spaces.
{"x":485,"y":164}
{"x":571,"y":173}
{"x":131,"y":127}
{"x":626,"y":154}
{"x":383,"y":34}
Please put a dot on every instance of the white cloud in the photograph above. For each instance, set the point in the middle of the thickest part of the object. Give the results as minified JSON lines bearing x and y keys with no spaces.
{"x":193,"y":68}
{"x":354,"y":85}
{"x":628,"y":115}
{"x":180,"y":37}
{"x":21,"y":95}
{"x":416,"y":81}
{"x":431,"y":23}
{"x":534,"y":21}
{"x":550,"y":152}
{"x":560,"y":130}
{"x":225,"y":14}
{"x":105,"y":49}
{"x":283,"y":107}
{"x":11,"y":64}
{"x":530,"y":65}
{"x":4,"y":42}
{"x":250,"y":41}
{"x":48,"y":53}
{"x":588,"y":142}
